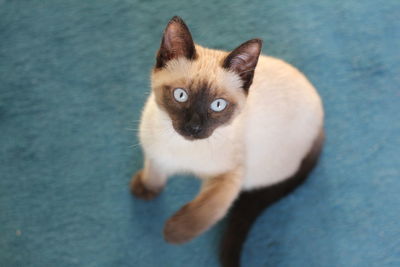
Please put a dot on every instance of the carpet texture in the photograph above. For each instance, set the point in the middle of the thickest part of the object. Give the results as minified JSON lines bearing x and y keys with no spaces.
{"x":73,"y":80}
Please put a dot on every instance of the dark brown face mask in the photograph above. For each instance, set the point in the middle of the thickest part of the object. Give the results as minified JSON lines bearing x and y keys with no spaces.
{"x":194,"y":118}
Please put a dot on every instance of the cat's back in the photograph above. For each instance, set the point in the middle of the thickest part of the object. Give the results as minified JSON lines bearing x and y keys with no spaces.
{"x":276,"y":76}
{"x":283,"y":117}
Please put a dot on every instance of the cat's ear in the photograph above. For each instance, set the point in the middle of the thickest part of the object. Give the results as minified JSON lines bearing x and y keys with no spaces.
{"x":176,"y":42}
{"x":243,"y":61}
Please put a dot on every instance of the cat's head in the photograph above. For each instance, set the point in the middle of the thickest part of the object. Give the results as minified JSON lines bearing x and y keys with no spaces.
{"x":201,"y":89}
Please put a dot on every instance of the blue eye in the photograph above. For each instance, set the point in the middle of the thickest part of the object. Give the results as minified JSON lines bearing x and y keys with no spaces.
{"x":180,"y":95}
{"x":218,"y":105}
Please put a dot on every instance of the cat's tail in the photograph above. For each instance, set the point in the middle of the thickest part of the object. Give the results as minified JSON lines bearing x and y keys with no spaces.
{"x":250,"y":204}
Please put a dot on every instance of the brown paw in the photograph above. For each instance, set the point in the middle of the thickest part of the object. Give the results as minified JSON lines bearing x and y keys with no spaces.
{"x":139,"y":189}
{"x":181,"y":227}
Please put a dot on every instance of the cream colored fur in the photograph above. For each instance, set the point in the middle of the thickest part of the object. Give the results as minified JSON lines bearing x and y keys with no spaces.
{"x":268,"y":139}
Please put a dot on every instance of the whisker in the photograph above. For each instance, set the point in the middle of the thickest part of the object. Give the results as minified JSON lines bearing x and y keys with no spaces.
{"x":134,"y":145}
{"x":132,"y":129}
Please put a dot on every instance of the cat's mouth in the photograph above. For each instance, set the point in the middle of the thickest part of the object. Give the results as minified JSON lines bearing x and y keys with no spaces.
{"x":193,"y":136}
{"x":193,"y":133}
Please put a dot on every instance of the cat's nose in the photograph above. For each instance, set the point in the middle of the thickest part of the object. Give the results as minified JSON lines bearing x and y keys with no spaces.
{"x":193,"y":128}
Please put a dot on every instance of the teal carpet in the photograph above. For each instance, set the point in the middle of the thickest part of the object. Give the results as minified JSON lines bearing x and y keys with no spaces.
{"x":74,"y":76}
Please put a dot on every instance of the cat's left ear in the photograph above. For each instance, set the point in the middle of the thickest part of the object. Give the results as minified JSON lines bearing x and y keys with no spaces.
{"x":176,"y":42}
{"x":243,"y":61}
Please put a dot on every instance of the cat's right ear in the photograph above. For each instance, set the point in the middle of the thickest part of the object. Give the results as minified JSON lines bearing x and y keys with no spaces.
{"x":176,"y":42}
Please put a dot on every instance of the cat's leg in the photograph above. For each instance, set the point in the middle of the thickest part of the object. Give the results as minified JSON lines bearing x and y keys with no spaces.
{"x":212,"y":203}
{"x":148,"y":182}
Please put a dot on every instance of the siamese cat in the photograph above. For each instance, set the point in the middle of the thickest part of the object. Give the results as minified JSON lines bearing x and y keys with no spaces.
{"x":248,"y":125}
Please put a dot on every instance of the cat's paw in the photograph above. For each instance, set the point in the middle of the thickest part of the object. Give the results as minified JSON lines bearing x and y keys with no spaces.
{"x":139,"y":189}
{"x":181,"y":227}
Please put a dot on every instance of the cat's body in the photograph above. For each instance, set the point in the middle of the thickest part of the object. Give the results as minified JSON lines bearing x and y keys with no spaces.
{"x":236,"y":126}
{"x":271,"y":136}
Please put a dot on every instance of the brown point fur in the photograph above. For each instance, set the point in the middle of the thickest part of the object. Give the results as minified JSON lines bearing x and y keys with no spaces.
{"x":176,"y":42}
{"x":204,"y":211}
{"x":243,"y":60}
{"x":140,"y":190}
{"x":250,"y":204}
{"x":204,"y":80}
{"x":201,"y":95}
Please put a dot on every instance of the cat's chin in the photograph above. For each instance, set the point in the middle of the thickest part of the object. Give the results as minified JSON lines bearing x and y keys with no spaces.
{"x":193,"y":137}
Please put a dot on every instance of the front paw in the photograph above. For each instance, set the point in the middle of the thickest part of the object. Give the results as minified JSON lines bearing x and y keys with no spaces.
{"x":181,"y":227}
{"x":139,"y":189}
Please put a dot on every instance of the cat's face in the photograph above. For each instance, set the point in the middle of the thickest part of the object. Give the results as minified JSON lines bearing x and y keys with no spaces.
{"x":197,"y":109}
{"x":197,"y":103}
{"x":201,"y":89}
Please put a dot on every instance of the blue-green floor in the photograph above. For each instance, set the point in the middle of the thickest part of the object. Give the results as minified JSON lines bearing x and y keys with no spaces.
{"x":74,"y":76}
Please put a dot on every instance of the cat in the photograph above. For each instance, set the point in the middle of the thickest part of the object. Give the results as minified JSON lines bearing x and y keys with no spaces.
{"x":250,"y":126}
